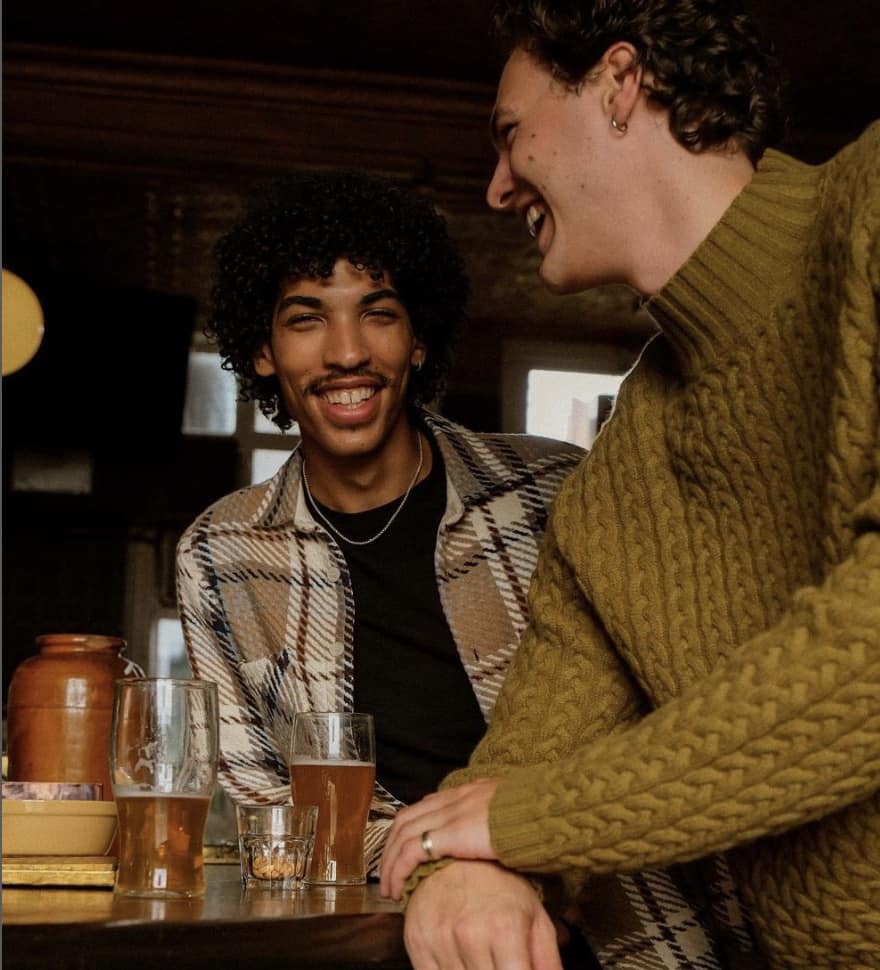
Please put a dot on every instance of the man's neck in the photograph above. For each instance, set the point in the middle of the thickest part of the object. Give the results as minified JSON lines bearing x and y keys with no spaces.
{"x":356,"y":483}
{"x":686,"y":196}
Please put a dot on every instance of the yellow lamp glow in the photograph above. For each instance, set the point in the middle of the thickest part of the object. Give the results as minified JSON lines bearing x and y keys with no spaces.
{"x":22,"y":323}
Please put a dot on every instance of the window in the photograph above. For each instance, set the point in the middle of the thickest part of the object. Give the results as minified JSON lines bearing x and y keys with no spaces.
{"x":265,"y":462}
{"x":560,"y":390}
{"x":212,"y":408}
{"x":209,"y":407}
{"x":569,"y":405}
{"x":168,"y":651}
{"x":264,"y":447}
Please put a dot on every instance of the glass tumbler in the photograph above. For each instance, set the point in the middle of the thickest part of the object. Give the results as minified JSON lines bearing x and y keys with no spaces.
{"x":275,"y":844}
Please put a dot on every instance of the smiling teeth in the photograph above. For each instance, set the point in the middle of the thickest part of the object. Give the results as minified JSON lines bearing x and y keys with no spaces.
{"x":534,"y":215}
{"x":350,"y":397}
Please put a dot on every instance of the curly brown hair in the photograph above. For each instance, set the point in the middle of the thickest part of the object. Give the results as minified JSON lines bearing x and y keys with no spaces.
{"x":300,"y":226}
{"x":708,"y":64}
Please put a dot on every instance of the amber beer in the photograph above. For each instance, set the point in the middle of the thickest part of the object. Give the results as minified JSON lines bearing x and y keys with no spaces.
{"x":160,"y":844}
{"x":163,"y":762}
{"x":342,"y":790}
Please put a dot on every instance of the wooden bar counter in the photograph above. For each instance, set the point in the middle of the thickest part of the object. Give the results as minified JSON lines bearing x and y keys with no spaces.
{"x":92,"y":929}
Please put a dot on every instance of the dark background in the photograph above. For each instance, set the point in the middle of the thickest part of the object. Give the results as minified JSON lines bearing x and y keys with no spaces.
{"x":132,"y":132}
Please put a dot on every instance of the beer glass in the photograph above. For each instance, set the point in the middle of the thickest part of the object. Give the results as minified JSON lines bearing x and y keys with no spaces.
{"x":333,"y":766}
{"x":163,"y":764}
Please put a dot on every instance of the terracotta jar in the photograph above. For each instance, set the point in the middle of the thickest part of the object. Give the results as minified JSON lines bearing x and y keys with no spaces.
{"x":60,"y":707}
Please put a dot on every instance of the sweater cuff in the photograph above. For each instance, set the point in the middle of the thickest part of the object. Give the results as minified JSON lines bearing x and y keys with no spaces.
{"x":419,"y":874}
{"x":517,"y":838}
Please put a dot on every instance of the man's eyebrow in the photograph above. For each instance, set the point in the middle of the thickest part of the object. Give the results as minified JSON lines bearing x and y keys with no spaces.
{"x":384,"y":294}
{"x":312,"y":302}
{"x":316,"y":303}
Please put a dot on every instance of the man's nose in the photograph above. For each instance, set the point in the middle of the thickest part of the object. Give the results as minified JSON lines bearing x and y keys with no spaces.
{"x":499,"y":194}
{"x":346,"y":346}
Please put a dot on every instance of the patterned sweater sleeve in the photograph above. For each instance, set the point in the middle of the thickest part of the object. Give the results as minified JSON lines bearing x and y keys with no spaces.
{"x":785,"y":731}
{"x":249,"y":767}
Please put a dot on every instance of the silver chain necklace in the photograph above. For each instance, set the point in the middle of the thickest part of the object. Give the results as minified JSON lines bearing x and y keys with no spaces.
{"x":363,"y":542}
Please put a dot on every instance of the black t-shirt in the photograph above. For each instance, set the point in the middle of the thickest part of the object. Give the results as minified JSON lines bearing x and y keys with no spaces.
{"x":407,"y":671}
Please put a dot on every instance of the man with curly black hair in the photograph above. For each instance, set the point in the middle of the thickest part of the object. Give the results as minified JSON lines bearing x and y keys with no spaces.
{"x":300,"y":228}
{"x":699,"y":683}
{"x":384,"y":568}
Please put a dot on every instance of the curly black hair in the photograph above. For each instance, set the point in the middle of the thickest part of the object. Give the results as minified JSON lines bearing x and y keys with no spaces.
{"x":720,"y":81}
{"x":298,"y":227}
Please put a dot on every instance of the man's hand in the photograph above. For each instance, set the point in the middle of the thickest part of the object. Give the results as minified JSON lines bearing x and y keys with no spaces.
{"x":479,"y":916}
{"x":453,"y":822}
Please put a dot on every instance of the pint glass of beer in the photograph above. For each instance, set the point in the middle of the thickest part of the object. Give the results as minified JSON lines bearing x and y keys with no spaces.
{"x":163,"y":763}
{"x":333,"y":766}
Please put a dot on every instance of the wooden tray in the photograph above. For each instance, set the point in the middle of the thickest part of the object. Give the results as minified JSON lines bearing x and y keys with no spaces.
{"x":53,"y":870}
{"x":97,"y":871}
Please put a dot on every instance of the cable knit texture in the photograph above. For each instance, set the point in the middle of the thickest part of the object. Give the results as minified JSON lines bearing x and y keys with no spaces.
{"x":702,"y":669}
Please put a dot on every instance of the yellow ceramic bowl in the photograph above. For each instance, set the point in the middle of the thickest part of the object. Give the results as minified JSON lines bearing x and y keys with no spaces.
{"x":57,"y":827}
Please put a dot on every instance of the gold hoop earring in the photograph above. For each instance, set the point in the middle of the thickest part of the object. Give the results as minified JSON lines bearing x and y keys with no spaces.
{"x":622,"y":127}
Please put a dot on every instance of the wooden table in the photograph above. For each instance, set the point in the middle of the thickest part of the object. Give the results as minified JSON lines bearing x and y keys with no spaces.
{"x":92,"y":929}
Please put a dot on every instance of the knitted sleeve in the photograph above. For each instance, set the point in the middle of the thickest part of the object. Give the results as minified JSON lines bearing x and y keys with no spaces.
{"x":249,"y":768}
{"x":785,"y":731}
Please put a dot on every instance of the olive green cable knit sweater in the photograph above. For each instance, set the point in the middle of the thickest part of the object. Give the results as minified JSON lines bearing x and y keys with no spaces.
{"x":716,"y":560}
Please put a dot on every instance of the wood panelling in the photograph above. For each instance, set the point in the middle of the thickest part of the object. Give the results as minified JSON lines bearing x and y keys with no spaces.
{"x":159,"y":114}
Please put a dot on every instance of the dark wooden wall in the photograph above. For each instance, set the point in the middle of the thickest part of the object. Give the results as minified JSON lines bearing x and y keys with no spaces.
{"x":132,"y":133}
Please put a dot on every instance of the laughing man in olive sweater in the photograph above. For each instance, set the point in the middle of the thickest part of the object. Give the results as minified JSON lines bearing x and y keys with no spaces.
{"x":700,"y":679}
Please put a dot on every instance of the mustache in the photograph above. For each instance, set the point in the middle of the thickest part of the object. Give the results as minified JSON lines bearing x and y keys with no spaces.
{"x":319,"y":383}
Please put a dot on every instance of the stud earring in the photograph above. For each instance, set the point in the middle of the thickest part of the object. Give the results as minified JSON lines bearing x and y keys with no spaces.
{"x":622,"y":127}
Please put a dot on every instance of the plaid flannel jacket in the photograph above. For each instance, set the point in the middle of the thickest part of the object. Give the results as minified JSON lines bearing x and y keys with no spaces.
{"x":268,"y":613}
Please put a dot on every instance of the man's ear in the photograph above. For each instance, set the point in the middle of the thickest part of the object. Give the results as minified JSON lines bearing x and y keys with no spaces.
{"x":418,"y":355}
{"x":264,"y":361}
{"x":622,"y":76}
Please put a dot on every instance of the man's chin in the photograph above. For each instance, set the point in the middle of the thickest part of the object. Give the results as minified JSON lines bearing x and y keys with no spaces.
{"x":555,"y":283}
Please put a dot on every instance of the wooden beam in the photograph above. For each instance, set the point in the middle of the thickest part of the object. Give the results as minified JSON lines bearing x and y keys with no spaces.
{"x":68,"y":107}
